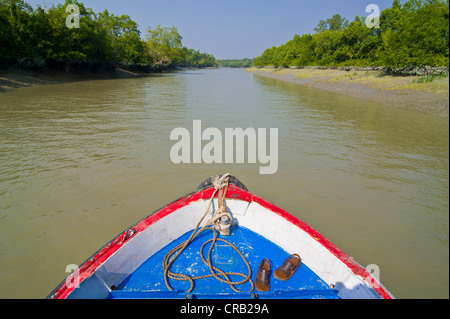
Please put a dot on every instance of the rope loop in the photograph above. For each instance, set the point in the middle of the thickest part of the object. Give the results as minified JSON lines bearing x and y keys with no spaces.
{"x":218,"y":221}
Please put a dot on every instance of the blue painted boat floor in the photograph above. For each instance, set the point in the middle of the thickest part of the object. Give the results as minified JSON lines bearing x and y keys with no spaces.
{"x":148,"y":280}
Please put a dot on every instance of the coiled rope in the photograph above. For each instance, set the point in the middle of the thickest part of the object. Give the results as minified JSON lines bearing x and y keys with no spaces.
{"x":219,"y":184}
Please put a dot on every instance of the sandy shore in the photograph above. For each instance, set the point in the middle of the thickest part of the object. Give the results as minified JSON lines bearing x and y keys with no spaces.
{"x":398,"y":91}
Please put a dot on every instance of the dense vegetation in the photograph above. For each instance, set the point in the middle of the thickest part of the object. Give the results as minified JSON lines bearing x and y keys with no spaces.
{"x":235,"y":63}
{"x":414,"y":33}
{"x":40,"y":36}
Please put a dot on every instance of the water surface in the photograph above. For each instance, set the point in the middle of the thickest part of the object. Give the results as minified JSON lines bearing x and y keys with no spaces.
{"x":80,"y":162}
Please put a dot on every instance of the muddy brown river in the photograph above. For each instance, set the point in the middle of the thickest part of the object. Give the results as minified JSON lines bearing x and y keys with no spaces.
{"x":80,"y":162}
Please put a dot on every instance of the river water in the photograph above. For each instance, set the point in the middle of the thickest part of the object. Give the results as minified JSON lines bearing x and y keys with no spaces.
{"x":80,"y":162}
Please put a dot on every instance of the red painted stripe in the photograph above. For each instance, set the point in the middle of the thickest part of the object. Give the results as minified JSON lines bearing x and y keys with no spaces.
{"x":89,"y":267}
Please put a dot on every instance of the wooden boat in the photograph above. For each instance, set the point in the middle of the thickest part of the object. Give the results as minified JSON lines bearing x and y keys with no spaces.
{"x":209,"y":244}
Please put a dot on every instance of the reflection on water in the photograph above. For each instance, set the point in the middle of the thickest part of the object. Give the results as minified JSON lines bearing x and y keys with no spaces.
{"x":80,"y":162}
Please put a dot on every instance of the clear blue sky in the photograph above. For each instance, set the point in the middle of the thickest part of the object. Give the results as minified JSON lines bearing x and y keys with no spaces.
{"x":231,"y":29}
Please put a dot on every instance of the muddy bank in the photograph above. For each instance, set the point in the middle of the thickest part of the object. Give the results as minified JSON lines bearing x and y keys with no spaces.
{"x":429,"y":94}
{"x":26,"y":73}
{"x":16,"y":78}
{"x":16,"y":73}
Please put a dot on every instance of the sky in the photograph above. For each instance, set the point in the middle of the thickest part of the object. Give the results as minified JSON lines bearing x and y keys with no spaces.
{"x":231,"y":29}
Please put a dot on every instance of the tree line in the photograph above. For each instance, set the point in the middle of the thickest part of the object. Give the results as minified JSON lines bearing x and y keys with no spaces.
{"x":414,"y":33}
{"x":235,"y":63}
{"x":43,"y":35}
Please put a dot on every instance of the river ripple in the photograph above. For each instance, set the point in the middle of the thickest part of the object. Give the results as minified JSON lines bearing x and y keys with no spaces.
{"x":80,"y":162}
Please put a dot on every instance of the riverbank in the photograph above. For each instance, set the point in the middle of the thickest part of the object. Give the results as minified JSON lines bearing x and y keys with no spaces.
{"x":427,"y":94}
{"x":16,"y":78}
{"x":31,"y":73}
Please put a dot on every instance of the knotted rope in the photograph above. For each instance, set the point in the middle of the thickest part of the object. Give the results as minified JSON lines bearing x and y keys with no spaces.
{"x":219,"y":184}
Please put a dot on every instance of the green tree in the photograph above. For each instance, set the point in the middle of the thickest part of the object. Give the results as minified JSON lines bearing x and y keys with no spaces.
{"x":195,"y":58}
{"x":6,"y":29}
{"x":164,"y":46}
{"x":235,"y":63}
{"x":324,"y":46}
{"x":352,"y":43}
{"x":335,"y":23}
{"x":304,"y":48}
{"x":14,"y":19}
{"x":44,"y":36}
{"x":124,"y":35}
{"x":89,"y":43}
{"x":415,"y":33}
